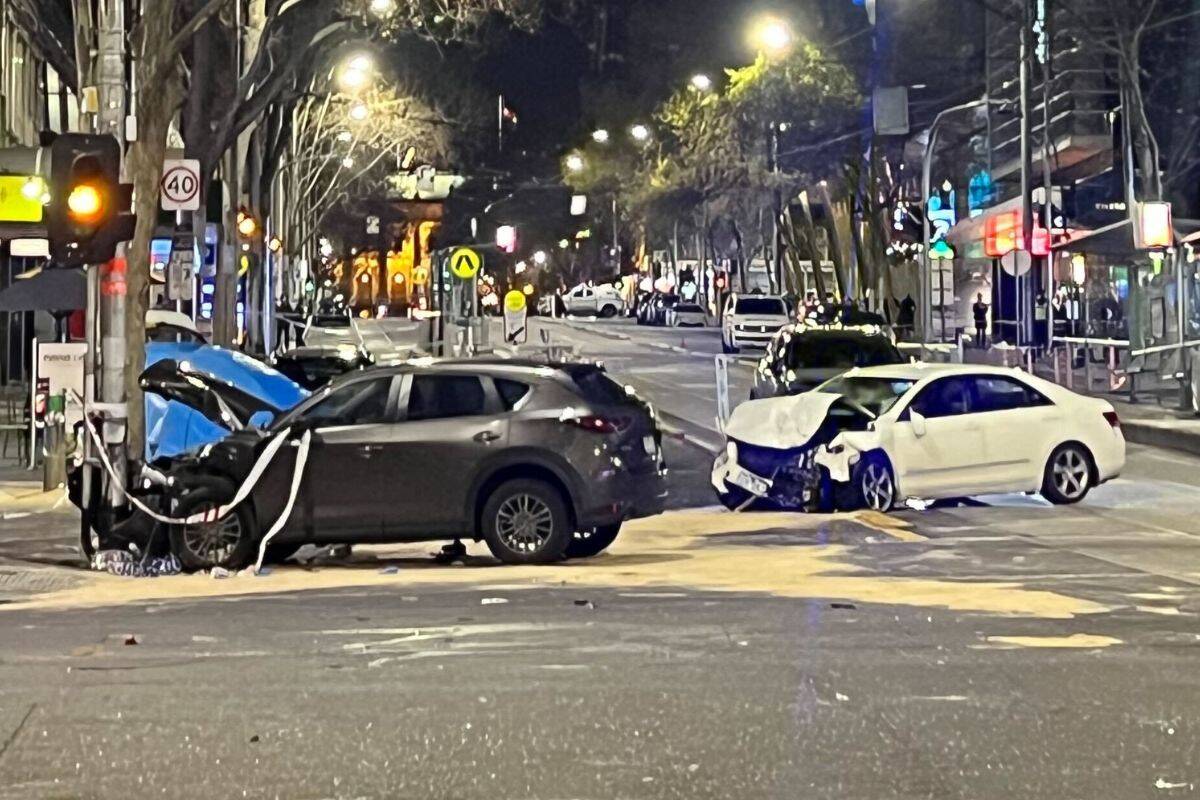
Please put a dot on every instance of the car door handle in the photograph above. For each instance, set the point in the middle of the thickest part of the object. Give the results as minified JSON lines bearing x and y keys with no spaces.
{"x":486,"y":437}
{"x":368,"y":450}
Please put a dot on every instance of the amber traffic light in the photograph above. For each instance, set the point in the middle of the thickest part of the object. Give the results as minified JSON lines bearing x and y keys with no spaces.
{"x":84,"y":202}
{"x":89,"y":209}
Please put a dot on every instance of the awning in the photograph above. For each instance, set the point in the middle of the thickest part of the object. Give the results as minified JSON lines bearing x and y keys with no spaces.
{"x":52,"y":289}
{"x":1117,"y":239}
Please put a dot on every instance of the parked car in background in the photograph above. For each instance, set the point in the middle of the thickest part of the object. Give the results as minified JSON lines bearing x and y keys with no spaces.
{"x":802,"y":357}
{"x":166,"y":325}
{"x":686,"y":315}
{"x":313,"y":367}
{"x":538,"y":460}
{"x":750,"y":320}
{"x":602,"y":301}
{"x":925,"y":431}
{"x":662,"y":307}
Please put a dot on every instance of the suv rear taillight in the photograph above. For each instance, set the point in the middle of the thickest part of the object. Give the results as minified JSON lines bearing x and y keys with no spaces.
{"x":595,"y":423}
{"x":1112,"y":418}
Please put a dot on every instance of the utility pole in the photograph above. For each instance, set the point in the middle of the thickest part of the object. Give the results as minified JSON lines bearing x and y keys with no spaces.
{"x":110,"y":119}
{"x":1024,"y":304}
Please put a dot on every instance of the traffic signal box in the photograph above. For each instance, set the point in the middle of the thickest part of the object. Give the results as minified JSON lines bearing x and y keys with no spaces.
{"x":89,"y":211}
{"x":68,"y":191}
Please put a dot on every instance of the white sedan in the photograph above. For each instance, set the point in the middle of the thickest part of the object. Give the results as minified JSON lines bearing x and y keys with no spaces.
{"x":924,"y":431}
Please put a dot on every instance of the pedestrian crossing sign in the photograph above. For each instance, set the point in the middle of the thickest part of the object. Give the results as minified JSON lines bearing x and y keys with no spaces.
{"x":465,"y":263}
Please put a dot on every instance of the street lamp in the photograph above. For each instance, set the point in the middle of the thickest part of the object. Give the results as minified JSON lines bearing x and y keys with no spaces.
{"x":347,"y":162}
{"x":359,"y":112}
{"x":356,"y":73}
{"x":539,"y":257}
{"x":701,"y":82}
{"x":381,"y":8}
{"x":600,"y":136}
{"x":771,"y":35}
{"x":640,"y":133}
{"x":575,"y":163}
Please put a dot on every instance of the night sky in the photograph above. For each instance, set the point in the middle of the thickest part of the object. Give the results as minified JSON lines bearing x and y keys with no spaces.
{"x":654,"y":46}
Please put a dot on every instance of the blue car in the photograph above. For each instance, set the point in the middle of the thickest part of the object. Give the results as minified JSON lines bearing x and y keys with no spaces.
{"x":196,"y":394}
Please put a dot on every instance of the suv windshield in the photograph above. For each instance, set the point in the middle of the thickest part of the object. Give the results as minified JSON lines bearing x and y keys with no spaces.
{"x":876,"y":395}
{"x":825,"y":352}
{"x":760,"y":305}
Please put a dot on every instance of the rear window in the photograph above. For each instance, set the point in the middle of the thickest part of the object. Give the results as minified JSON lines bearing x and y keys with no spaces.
{"x":597,"y":387}
{"x":511,"y":392}
{"x":823,"y":352}
{"x":760,"y":305}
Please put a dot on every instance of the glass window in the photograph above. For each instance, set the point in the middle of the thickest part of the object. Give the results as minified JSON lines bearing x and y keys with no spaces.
{"x":761,"y":305}
{"x":511,"y":392}
{"x":947,"y":397}
{"x":597,"y":387}
{"x":824,"y":352}
{"x":997,"y":393}
{"x":358,"y":403}
{"x":876,"y":395}
{"x":443,"y":396}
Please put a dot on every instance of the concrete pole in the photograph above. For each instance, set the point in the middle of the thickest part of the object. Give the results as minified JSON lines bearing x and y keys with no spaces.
{"x":110,"y":119}
{"x":1024,"y":295}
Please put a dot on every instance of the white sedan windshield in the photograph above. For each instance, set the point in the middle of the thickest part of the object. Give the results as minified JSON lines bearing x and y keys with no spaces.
{"x":877,"y":395}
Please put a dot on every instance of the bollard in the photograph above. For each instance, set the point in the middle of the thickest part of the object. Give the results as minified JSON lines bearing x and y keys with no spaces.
{"x":54,"y":448}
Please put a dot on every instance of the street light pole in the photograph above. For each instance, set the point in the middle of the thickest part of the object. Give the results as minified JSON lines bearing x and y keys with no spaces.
{"x":926,"y":190}
{"x":110,"y":119}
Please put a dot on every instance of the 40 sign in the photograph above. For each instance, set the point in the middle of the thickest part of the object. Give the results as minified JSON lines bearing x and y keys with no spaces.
{"x":180,"y":185}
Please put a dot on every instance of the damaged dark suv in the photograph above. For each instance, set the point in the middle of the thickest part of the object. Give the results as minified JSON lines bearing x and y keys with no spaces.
{"x":540,"y":461}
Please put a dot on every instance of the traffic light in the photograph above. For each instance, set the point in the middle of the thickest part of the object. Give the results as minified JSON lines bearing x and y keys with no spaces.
{"x":89,"y":211}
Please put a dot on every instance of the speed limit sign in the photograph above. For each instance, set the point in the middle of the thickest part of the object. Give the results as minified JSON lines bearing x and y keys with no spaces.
{"x":181,"y":184}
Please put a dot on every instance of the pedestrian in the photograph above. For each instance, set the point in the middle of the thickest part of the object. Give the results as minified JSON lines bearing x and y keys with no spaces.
{"x":980,"y":311}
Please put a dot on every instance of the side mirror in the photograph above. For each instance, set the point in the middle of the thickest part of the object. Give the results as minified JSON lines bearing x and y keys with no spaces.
{"x":918,"y":423}
{"x":260,"y":420}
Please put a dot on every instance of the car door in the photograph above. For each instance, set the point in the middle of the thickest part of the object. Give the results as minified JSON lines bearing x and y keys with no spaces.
{"x":1018,"y":424}
{"x":451,"y":422}
{"x":946,"y":458}
{"x":342,"y":487}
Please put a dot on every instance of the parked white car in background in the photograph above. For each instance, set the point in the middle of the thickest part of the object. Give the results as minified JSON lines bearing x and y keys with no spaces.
{"x":750,"y":320}
{"x":926,"y":431}
{"x":687,"y":315}
{"x":602,"y":301}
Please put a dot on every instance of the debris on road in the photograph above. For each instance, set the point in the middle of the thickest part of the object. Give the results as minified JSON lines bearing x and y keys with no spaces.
{"x":389,"y":570}
{"x":492,"y":601}
{"x":845,"y":606}
{"x":127,"y":565}
{"x":130,"y":639}
{"x":585,"y":603}
{"x":218,"y":573}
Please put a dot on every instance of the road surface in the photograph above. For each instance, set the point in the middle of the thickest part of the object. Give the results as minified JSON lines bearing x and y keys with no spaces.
{"x":999,"y":649}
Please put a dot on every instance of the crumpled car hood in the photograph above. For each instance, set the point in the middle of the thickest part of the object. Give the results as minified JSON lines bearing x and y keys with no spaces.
{"x":780,"y":422}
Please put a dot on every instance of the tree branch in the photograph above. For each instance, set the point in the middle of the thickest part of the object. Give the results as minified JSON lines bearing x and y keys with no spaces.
{"x":168,"y":53}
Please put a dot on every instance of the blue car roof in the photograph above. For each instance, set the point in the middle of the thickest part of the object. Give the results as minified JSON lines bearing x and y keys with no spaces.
{"x":232,"y":367}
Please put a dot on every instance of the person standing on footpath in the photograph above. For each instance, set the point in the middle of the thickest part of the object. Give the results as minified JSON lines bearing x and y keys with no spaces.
{"x":980,"y":311}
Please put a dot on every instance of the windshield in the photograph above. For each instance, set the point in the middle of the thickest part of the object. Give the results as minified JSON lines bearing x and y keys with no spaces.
{"x":877,"y":395}
{"x":823,"y":352}
{"x":769,"y":306}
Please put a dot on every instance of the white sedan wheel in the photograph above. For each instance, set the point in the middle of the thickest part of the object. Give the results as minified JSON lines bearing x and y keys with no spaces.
{"x":878,"y":488}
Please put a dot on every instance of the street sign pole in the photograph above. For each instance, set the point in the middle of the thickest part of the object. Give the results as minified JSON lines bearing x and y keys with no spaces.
{"x":111,"y":292}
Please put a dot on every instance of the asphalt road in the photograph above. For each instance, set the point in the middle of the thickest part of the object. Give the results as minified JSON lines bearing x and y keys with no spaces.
{"x":993,"y":650}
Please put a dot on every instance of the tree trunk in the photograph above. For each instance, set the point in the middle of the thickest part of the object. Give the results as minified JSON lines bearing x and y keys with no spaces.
{"x":156,"y":105}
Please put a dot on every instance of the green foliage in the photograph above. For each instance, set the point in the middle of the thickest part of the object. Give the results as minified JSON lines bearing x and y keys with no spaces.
{"x":713,"y":148}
